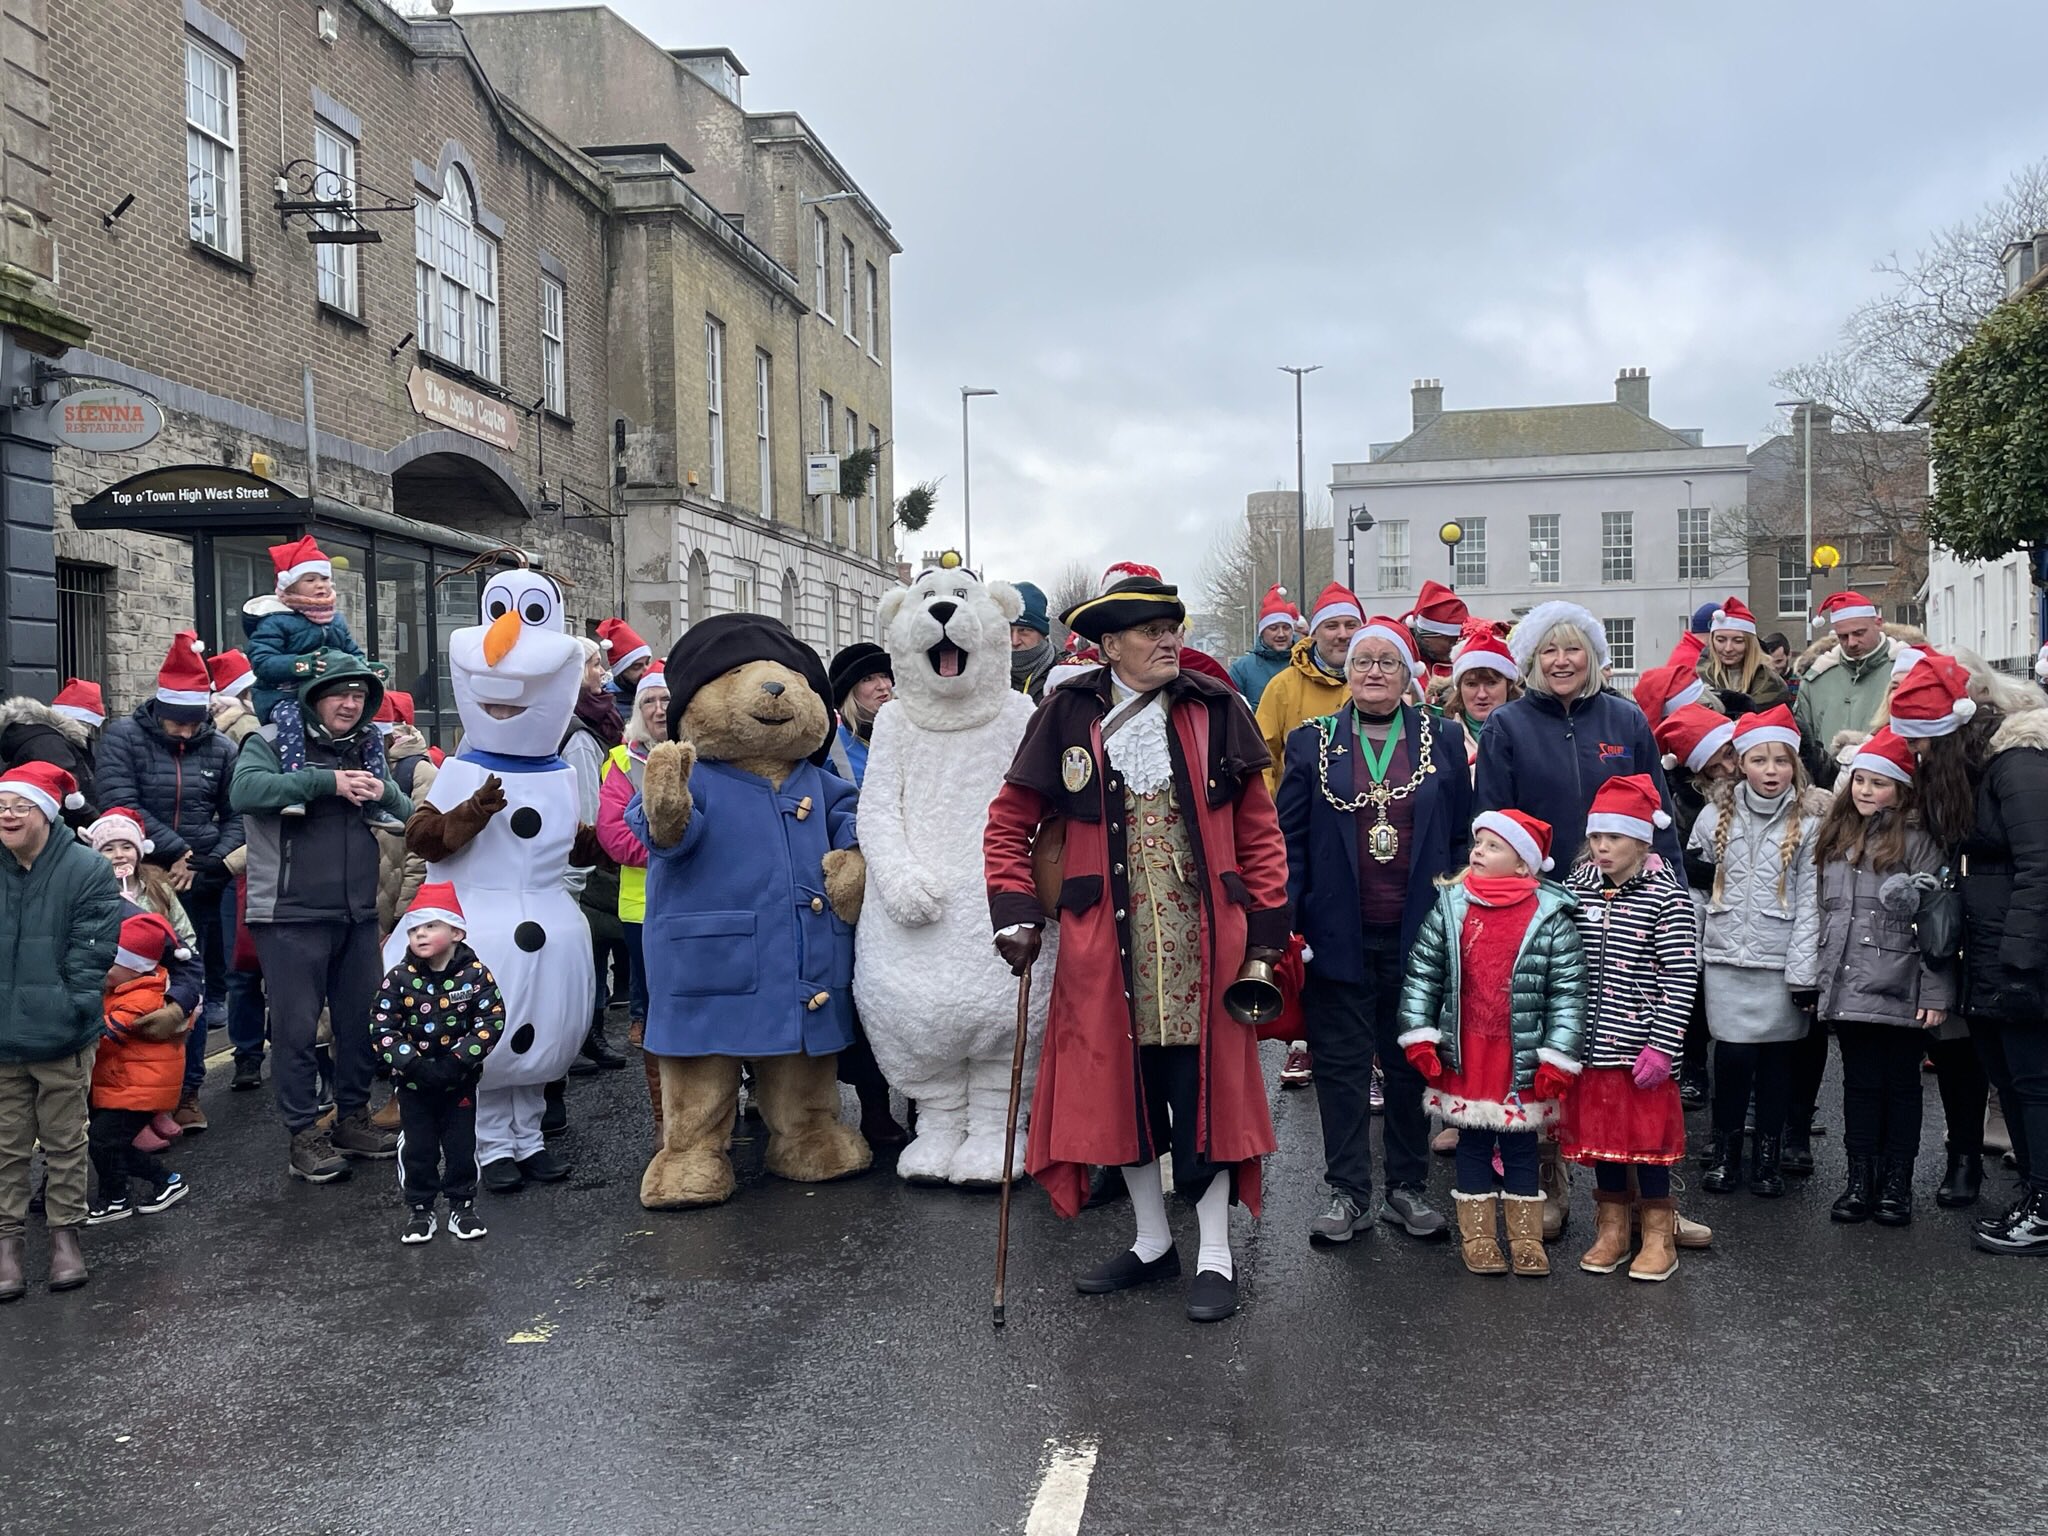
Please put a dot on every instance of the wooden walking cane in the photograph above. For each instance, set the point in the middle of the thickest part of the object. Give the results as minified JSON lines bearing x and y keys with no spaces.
{"x":1010,"y":1136}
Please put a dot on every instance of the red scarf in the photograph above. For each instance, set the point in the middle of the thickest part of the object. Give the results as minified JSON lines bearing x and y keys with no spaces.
{"x":1500,"y":890}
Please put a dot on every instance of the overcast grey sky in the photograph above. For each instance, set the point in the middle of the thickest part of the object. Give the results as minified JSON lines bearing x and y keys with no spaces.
{"x":1125,"y":216}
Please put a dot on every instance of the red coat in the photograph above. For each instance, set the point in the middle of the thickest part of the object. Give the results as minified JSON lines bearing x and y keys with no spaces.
{"x":1084,"y":1109}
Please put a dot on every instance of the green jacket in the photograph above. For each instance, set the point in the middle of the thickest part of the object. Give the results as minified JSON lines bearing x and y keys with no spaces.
{"x":1549,"y":1009}
{"x":59,"y":921}
{"x":1836,"y":696}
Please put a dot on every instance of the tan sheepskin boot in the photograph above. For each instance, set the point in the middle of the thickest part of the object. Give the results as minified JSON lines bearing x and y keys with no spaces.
{"x":1658,"y":1259}
{"x":1479,"y":1233}
{"x":694,"y":1166}
{"x":1524,"y":1215}
{"x":1554,"y":1178}
{"x":1610,"y":1243}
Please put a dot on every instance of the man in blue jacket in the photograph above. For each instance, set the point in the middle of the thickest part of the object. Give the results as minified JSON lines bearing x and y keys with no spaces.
{"x":1270,"y":651}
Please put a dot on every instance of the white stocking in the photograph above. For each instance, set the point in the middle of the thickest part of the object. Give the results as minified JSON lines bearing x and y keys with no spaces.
{"x":1213,"y":1211}
{"x":1148,"y":1204}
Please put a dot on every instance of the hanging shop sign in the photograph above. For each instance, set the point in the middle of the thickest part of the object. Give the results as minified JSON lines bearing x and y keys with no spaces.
{"x":452,"y":404}
{"x":105,"y":420}
{"x":821,"y":474}
{"x":186,"y":497}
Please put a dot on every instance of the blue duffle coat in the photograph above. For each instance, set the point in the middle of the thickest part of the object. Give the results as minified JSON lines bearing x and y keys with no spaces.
{"x":745,"y":956}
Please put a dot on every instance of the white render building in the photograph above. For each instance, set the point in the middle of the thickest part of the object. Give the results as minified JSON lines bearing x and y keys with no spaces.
{"x":1598,"y":503}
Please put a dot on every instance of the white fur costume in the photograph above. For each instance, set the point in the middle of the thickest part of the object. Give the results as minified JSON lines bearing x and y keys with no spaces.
{"x":524,"y":922}
{"x":938,"y":1003}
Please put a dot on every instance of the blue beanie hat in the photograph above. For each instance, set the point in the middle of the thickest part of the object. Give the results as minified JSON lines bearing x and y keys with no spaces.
{"x":1034,"y":615}
{"x":1703,"y":617}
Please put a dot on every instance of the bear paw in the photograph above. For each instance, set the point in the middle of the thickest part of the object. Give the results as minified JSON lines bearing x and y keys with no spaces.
{"x":929,"y":1157}
{"x":677,"y":1181}
{"x":665,"y":791}
{"x":846,"y":878}
{"x":832,"y":1151}
{"x":979,"y":1162}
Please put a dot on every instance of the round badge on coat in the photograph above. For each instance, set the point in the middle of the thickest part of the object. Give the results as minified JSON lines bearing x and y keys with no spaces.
{"x":1076,"y":769}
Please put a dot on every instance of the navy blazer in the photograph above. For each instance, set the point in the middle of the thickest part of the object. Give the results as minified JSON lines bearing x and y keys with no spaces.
{"x":1322,"y":843}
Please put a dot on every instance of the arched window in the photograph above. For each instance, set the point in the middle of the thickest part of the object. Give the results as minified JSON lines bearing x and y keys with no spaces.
{"x":456,"y":279}
{"x":697,"y":593}
{"x":790,"y":597}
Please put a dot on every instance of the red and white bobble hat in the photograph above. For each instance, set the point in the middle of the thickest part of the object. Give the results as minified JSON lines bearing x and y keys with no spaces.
{"x":145,"y":939}
{"x":1124,"y":570}
{"x":1529,"y":837}
{"x":118,"y":824}
{"x":297,"y":560}
{"x":1662,"y":691}
{"x":1484,"y":653}
{"x":656,"y":676}
{"x":1887,"y":753}
{"x":231,"y":673}
{"x":183,"y":679}
{"x":1692,"y":735}
{"x":1841,"y":607}
{"x":1439,"y":611}
{"x":1734,"y":614}
{"x":621,"y":646}
{"x":1338,"y":601}
{"x":81,"y":701}
{"x":1757,"y":730}
{"x":1934,"y":700}
{"x":1274,"y":608}
{"x":435,"y":903}
{"x":45,"y":786}
{"x":1629,"y":805}
{"x":1395,"y":633}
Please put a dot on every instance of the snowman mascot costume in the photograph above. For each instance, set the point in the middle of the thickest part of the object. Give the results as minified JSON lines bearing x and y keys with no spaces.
{"x":501,"y":825}
{"x":939,"y":1005}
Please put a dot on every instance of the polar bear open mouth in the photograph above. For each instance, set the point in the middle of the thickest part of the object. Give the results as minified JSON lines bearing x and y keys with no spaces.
{"x":947,"y":659}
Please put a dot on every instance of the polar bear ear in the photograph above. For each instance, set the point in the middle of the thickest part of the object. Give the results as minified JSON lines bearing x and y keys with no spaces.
{"x":891,"y":604}
{"x":1007,"y":598}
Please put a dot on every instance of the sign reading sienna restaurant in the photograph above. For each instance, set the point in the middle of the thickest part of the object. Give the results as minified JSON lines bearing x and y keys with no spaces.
{"x":442,"y":399}
{"x":105,"y":420}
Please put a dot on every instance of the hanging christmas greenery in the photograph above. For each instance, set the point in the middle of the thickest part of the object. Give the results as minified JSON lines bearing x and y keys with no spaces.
{"x":914,"y":506}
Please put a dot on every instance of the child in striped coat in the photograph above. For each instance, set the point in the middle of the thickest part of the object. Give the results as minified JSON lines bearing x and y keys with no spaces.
{"x":1643,"y":968}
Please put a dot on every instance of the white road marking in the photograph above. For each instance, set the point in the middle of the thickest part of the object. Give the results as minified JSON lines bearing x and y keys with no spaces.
{"x":1062,"y":1488}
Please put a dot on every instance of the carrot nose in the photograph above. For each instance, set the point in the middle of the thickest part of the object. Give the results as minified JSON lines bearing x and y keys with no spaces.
{"x":501,"y":636}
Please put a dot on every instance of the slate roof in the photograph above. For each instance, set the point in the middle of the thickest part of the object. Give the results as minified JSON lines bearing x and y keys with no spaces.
{"x":1533,"y":431}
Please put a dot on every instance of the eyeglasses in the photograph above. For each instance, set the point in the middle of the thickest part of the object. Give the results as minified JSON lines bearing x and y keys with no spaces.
{"x":1154,"y":632}
{"x":1386,"y":664}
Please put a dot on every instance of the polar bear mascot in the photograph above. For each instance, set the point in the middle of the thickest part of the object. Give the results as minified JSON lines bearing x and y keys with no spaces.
{"x":939,"y":1004}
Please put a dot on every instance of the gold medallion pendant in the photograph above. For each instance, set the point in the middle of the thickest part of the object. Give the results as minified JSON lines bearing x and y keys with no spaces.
{"x":1076,"y":769}
{"x":1381,"y":840}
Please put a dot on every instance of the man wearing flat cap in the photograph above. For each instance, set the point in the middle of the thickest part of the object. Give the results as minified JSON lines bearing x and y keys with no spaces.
{"x":1173,"y":874}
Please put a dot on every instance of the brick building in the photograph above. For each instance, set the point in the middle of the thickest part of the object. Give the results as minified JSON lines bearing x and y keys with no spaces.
{"x":455,"y":369}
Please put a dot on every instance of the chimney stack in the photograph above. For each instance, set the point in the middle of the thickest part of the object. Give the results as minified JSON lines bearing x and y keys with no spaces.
{"x":1632,"y":389}
{"x":1428,"y":395}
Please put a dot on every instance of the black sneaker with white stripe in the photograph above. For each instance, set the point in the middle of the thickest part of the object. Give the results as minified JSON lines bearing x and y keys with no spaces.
{"x":419,"y":1227}
{"x":463,"y":1223}
{"x":101,"y":1212}
{"x":163,"y":1196}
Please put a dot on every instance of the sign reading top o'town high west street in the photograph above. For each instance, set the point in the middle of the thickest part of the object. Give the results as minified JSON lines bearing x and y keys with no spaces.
{"x":442,"y":399}
{"x":105,"y":420}
{"x":185,"y":497}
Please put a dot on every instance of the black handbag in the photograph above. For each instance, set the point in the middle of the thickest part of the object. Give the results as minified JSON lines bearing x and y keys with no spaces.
{"x":1939,"y":922}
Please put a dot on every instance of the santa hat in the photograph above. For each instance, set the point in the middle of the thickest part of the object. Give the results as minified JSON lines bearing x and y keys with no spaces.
{"x":183,"y":681}
{"x":1691,"y":646}
{"x":656,"y":676}
{"x":1843,"y":606}
{"x":1663,"y":691}
{"x":300,"y":558}
{"x":81,"y":701}
{"x":1759,"y":729}
{"x":1629,"y":805}
{"x":1734,"y":615}
{"x":1485,"y":652}
{"x":621,"y":646}
{"x":398,"y":705}
{"x":1395,"y":633}
{"x":1934,"y":700}
{"x":1438,"y":611}
{"x":45,"y":786}
{"x":231,"y":674}
{"x":145,"y":938}
{"x":118,"y":824}
{"x":435,"y":903}
{"x":1529,"y":837}
{"x":1887,"y":753}
{"x":1337,"y":601}
{"x":1275,"y":609}
{"x":1124,"y":570}
{"x":1528,"y":636}
{"x":1692,"y":735}
{"x":1908,"y":658}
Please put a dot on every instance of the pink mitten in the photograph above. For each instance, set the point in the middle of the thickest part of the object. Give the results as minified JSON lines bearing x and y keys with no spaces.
{"x":1653,"y":1068}
{"x":1551,"y":1083}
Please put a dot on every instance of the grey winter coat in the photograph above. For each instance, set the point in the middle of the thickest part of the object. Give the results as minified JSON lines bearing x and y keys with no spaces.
{"x":1751,"y":926}
{"x":1870,"y":966}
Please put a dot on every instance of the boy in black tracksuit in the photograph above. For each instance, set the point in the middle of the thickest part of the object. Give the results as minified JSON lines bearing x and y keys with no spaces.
{"x":436,"y":1018}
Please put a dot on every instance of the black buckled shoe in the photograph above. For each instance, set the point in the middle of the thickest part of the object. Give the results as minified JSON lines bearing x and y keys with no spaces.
{"x":1724,"y":1174}
{"x":1127,"y":1270}
{"x":1212,"y":1297}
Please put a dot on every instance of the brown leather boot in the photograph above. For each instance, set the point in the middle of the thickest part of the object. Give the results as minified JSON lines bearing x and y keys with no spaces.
{"x":1658,"y":1258}
{"x":67,"y":1260}
{"x":386,"y":1118}
{"x":1478,"y":1233}
{"x":189,"y":1115}
{"x":12,"y":1285}
{"x":1524,"y":1215}
{"x":1610,"y":1244}
{"x":1555,"y":1180}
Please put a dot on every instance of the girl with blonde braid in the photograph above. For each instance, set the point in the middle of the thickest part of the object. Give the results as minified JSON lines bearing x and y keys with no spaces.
{"x":1761,"y":944}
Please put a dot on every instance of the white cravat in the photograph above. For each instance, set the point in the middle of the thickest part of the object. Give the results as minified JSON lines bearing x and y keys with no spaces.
{"x":1139,"y":750}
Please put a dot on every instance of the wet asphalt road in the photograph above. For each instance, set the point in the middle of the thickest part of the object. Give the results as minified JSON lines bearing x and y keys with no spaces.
{"x":267,"y":1358}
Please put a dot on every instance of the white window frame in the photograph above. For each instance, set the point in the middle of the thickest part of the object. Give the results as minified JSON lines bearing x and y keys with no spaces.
{"x":554,"y":345}
{"x":1792,"y":580}
{"x":1695,"y":543}
{"x":764,"y":407}
{"x":1396,"y":571}
{"x":821,"y":253}
{"x":874,"y":304}
{"x":875,"y":495}
{"x":1468,"y":563}
{"x":746,"y":586}
{"x":456,"y":279}
{"x":1621,"y":643}
{"x":213,"y":150}
{"x":852,"y":507}
{"x":1617,"y":548}
{"x":1545,"y":552}
{"x":335,"y":154}
{"x":846,"y":299}
{"x":825,"y":410}
{"x":714,"y":403}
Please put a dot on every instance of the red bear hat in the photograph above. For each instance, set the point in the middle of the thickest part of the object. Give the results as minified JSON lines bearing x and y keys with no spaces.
{"x":1529,"y":837}
{"x":621,"y":646}
{"x":1629,"y":805}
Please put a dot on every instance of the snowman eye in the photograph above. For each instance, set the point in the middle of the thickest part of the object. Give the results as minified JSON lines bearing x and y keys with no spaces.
{"x":535,"y":611}
{"x":537,"y":606}
{"x":496,"y":607}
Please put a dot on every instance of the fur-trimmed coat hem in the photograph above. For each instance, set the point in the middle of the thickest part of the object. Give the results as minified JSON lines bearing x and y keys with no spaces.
{"x":1512,"y":1114}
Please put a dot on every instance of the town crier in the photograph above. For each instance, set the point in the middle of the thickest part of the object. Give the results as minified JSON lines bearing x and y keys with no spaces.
{"x":1172,"y":875}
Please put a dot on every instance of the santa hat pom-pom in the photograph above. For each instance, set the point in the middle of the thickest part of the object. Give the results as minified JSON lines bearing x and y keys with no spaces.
{"x":605,"y":646}
{"x":74,"y":801}
{"x":1547,"y":865}
{"x":1964,"y":708}
{"x":199,"y":646}
{"x":1668,"y":761}
{"x":149,"y":845}
{"x":1661,"y":819}
{"x":1720,"y":614}
{"x":181,"y":953}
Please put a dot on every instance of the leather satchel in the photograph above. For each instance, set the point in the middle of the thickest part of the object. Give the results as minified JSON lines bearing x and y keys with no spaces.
{"x":1049,"y":864}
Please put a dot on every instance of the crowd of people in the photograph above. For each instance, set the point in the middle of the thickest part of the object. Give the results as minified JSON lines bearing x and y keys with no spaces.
{"x":1523,"y":918}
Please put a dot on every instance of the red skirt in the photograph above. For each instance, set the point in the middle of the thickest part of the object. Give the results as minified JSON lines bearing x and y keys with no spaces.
{"x":1608,"y":1119}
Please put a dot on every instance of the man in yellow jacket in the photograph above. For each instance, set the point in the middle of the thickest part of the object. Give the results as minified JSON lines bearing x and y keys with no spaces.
{"x":1312,"y":683}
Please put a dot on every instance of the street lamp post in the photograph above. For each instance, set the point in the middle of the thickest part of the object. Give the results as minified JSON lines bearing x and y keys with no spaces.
{"x":1357,"y":521}
{"x":967,"y":393}
{"x":1806,"y":547}
{"x":1452,"y":534}
{"x":1300,"y":485}
{"x":1686,"y":554}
